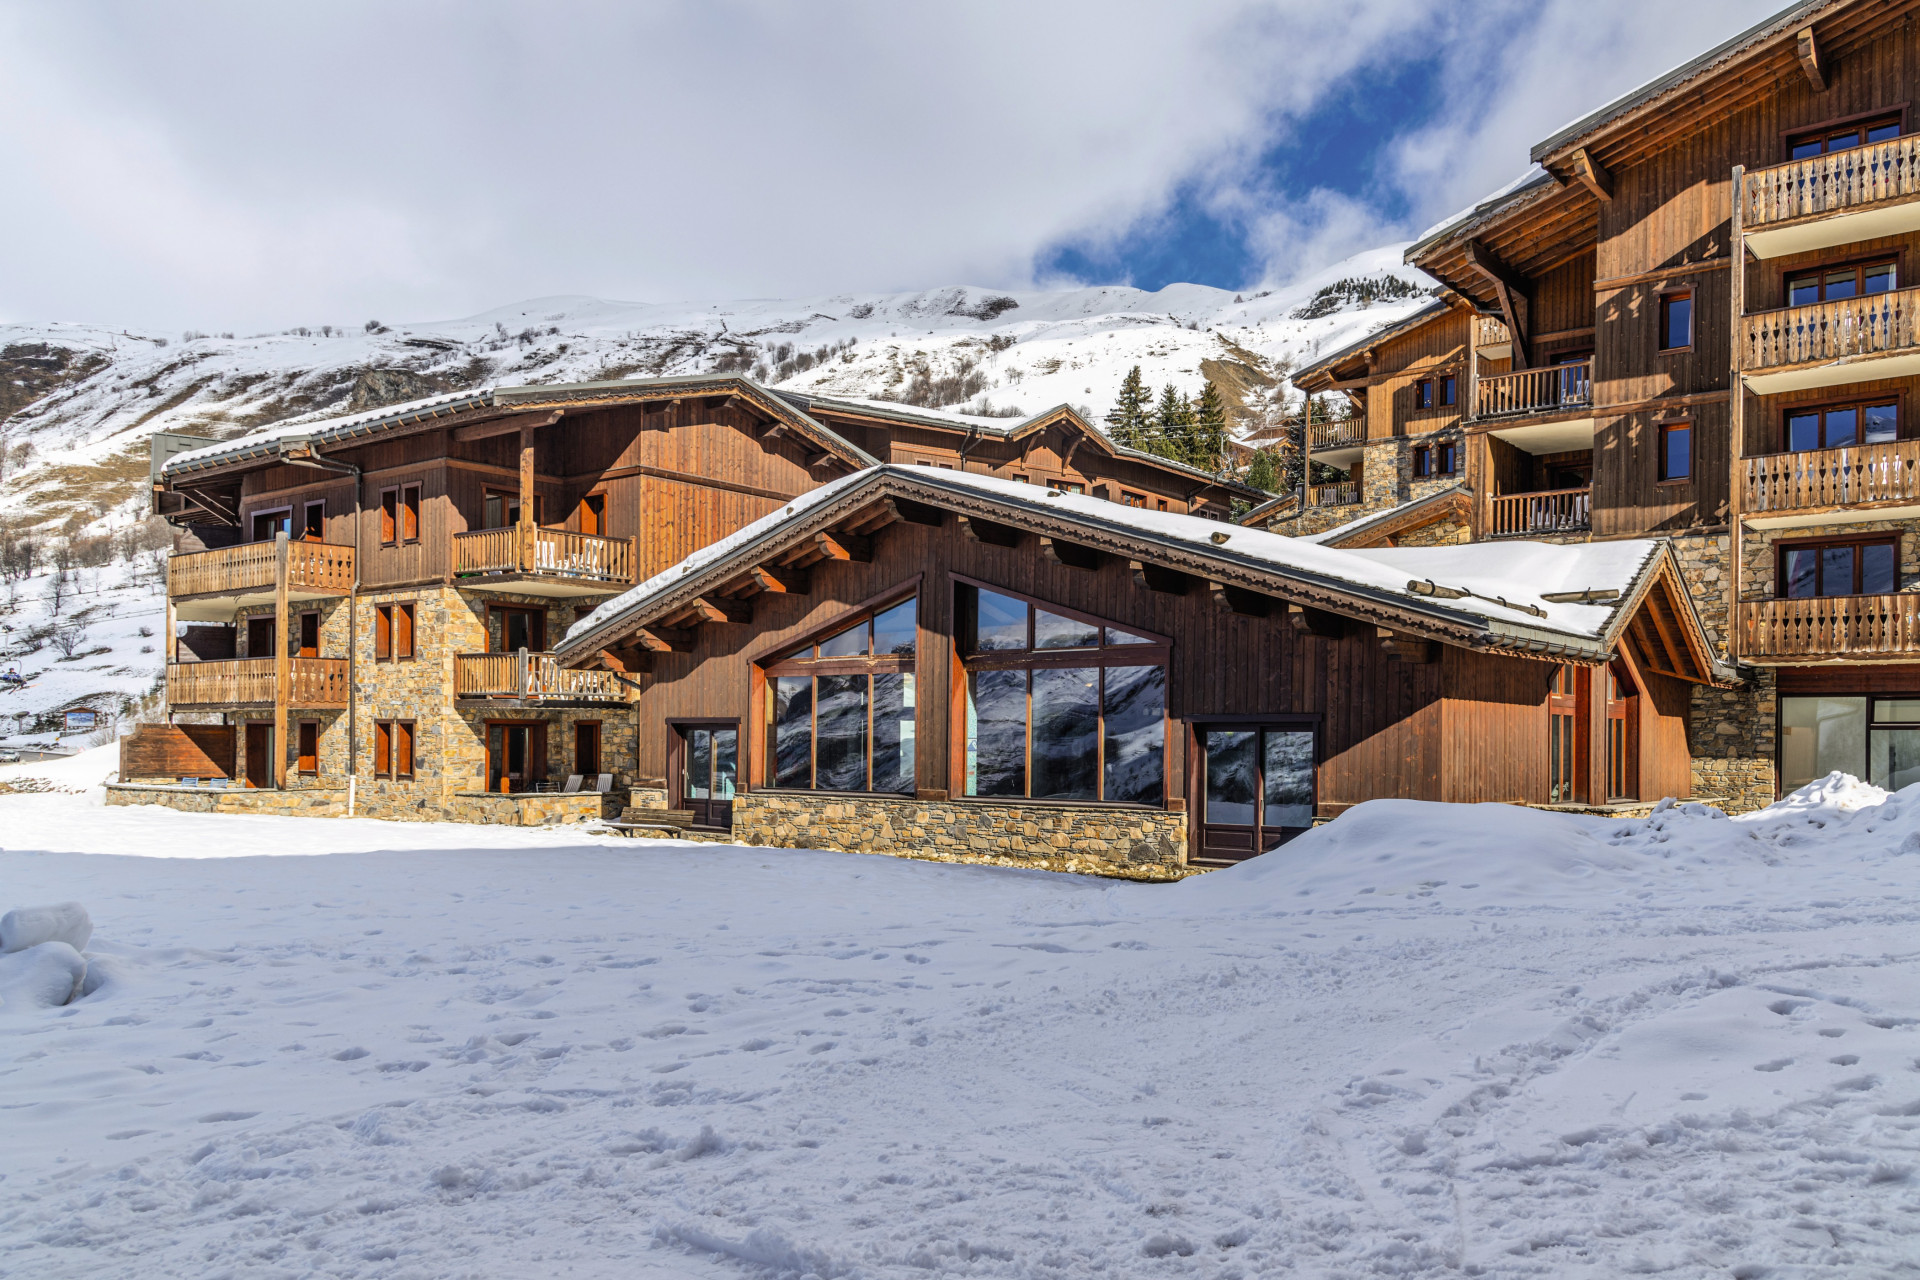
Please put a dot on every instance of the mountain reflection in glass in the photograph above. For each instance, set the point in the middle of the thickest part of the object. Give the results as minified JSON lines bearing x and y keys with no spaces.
{"x":1289,"y":778}
{"x":997,"y":711}
{"x":1233,"y":776}
{"x":894,"y":631}
{"x":893,"y":733}
{"x":793,"y":731}
{"x":840,"y":762}
{"x":1056,"y":631}
{"x":1066,"y":733}
{"x":1136,"y":733}
{"x":1000,"y":622}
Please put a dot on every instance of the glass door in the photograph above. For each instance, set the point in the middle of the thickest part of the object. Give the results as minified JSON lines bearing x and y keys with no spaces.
{"x":710,"y":756}
{"x":1259,"y":790}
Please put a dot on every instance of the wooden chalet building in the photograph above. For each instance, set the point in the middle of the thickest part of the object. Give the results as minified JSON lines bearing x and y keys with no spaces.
{"x":1691,"y":319}
{"x":930,"y":661}
{"x":375,"y":598}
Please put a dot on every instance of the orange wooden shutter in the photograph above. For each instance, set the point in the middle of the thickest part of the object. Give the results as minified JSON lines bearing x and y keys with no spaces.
{"x":403,"y":748}
{"x":410,"y":512}
{"x":383,"y":632}
{"x":389,"y":513}
{"x":382,"y":749}
{"x":403,"y":631}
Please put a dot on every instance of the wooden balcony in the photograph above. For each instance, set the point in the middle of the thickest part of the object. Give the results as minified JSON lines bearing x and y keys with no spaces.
{"x":1550,"y":389}
{"x":1531,"y":514}
{"x":245,"y":574}
{"x":1832,"y":343}
{"x":1327,"y":436}
{"x":249,"y":682}
{"x":1828,"y":627}
{"x":1862,"y":193}
{"x":531,"y":677}
{"x":1343,"y":494}
{"x":1492,"y":338}
{"x":1786,"y":485}
{"x":556,"y":562}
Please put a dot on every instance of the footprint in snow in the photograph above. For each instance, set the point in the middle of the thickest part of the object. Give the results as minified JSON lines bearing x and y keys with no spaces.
{"x":1776,"y":1065}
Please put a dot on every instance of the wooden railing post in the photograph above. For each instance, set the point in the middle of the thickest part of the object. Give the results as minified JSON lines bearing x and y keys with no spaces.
{"x":282,"y":664}
{"x":524,"y":554}
{"x":520,"y":673}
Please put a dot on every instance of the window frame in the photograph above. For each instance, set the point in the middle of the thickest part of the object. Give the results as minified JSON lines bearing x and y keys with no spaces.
{"x":1156,"y":651}
{"x":305,"y":764}
{"x":386,"y":632}
{"x":1862,"y":121}
{"x":1422,"y":462}
{"x":1859,"y":267}
{"x":1891,"y":538}
{"x":1423,"y":394}
{"x":503,"y":612}
{"x":307,"y":525}
{"x":1667,"y":297}
{"x":1823,"y":407}
{"x":392,"y":738}
{"x":1662,"y":430}
{"x":254,"y":515}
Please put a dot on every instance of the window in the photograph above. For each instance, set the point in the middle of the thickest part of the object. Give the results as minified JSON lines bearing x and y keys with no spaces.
{"x":1434,"y":393}
{"x":586,"y":748}
{"x":260,"y":637}
{"x":393,"y":749}
{"x":840,"y":710}
{"x":1676,"y":450}
{"x":1676,"y":320}
{"x":1065,"y":486}
{"x":1422,"y":463}
{"x":1836,"y":426}
{"x":520,"y":629}
{"x":502,"y":509}
{"x":1832,"y":284}
{"x":1856,"y":567}
{"x":1831,"y":138}
{"x":1060,"y":706}
{"x":309,"y":635}
{"x":1161,"y":505}
{"x":1873,"y":738}
{"x":268,"y":525}
{"x":1023,"y":479}
{"x":593,"y":515}
{"x":400,"y":514}
{"x":1423,"y":394}
{"x":393,"y":631}
{"x":314,"y":520}
{"x":1435,"y":460}
{"x":1128,"y":499}
{"x":1563,"y":736}
{"x":309,"y":738}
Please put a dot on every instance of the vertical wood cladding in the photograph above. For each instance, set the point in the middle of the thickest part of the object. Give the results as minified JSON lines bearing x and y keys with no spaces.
{"x":1435,"y":349}
{"x":1562,"y":304}
{"x":1468,"y":726}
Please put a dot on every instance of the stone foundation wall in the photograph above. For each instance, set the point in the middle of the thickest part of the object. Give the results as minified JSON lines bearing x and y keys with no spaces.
{"x":530,"y":810}
{"x":1731,"y":735}
{"x":1143,"y":844}
{"x":521,"y":810}
{"x":310,"y":802}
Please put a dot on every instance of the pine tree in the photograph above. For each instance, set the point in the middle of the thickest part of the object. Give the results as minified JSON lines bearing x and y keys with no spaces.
{"x":1128,"y":421}
{"x":1263,"y":474}
{"x":1172,"y":425}
{"x":1209,"y":433}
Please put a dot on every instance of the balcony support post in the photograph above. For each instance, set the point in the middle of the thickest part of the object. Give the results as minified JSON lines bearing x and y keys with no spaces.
{"x":1736,"y":406}
{"x":282,"y":665}
{"x":523,"y":543}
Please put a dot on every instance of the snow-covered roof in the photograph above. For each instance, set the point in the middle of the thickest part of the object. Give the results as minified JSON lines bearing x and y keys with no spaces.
{"x":1497,"y":592}
{"x":1360,"y":524}
{"x":1528,"y":183}
{"x":1432,"y":310}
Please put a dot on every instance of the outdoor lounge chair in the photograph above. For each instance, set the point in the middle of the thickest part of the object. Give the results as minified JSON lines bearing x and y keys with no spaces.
{"x":573,"y":784}
{"x":604,"y":784}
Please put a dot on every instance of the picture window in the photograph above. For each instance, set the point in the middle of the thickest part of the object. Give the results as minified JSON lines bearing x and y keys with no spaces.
{"x":1851,"y":568}
{"x":1837,"y":426}
{"x":840,"y":709}
{"x":1819,"y":142}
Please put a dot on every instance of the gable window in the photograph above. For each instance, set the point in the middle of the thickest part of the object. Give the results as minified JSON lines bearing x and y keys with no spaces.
{"x":1676,"y":320}
{"x":393,"y":631}
{"x":1060,"y":706}
{"x":1676,"y":450}
{"x":1853,"y":567}
{"x":1833,"y":284}
{"x":1065,"y":486}
{"x":1835,"y":427}
{"x":1825,"y":141}
{"x":1128,"y":499}
{"x":840,"y":709}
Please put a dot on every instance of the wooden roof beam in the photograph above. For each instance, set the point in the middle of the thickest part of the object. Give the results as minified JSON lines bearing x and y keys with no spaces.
{"x":1316,"y":622}
{"x":721,"y":609}
{"x":503,"y":427}
{"x":844,"y":547}
{"x":1407,"y":648}
{"x":1807,"y":49}
{"x":994,"y":535}
{"x":1151,"y":577}
{"x":662,"y":639}
{"x":1589,"y":173}
{"x":626,"y":660}
{"x":1249,"y":604}
{"x":1071,"y":554}
{"x":1511,"y":292}
{"x":764,"y":579}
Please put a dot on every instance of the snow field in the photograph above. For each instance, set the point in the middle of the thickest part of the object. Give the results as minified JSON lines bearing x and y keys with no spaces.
{"x":1423,"y":1040}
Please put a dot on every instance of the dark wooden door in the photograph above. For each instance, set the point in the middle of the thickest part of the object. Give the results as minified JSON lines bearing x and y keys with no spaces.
{"x":1256,"y":789}
{"x":710,"y":764}
{"x":522,"y":629}
{"x":1564,"y":718}
{"x":260,"y":637}
{"x":507,"y":752}
{"x":259,"y":754}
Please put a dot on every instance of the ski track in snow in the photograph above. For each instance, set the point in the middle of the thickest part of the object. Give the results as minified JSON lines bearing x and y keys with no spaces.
{"x":1424,"y":1041}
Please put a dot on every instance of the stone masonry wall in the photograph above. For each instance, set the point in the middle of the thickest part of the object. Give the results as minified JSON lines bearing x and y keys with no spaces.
{"x":1143,"y":844}
{"x":1731,"y":735}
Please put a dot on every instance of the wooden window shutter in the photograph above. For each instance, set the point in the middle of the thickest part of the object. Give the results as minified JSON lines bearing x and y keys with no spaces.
{"x":382,"y":749}
{"x":536,"y":753}
{"x":410,"y":512}
{"x":403,"y":630}
{"x":403,"y":748}
{"x":382,"y":632}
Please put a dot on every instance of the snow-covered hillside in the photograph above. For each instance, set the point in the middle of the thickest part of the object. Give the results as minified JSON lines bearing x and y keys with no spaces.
{"x":1422,"y":1041}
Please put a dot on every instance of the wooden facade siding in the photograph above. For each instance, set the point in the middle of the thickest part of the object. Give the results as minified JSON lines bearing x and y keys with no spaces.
{"x":1824,"y":627}
{"x":1548,"y":389}
{"x":533,"y":677}
{"x":1877,"y":324}
{"x":240,"y":682}
{"x":1547,"y":512}
{"x":177,"y":751}
{"x":1817,"y":479}
{"x":1838,"y":182}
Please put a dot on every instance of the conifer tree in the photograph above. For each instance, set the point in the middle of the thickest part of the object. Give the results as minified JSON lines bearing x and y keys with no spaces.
{"x":1208,"y":443}
{"x":1172,"y":425}
{"x":1128,"y":421}
{"x":1263,"y":474}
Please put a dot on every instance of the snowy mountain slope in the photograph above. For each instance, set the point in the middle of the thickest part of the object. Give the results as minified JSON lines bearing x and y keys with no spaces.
{"x":85,"y":398}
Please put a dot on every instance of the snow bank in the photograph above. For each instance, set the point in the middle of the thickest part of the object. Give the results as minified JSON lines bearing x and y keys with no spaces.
{"x":81,"y":771}
{"x":41,"y":977}
{"x":25,"y":927}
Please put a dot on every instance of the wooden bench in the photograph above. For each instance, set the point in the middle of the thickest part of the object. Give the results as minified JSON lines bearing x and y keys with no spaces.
{"x":668,"y":822}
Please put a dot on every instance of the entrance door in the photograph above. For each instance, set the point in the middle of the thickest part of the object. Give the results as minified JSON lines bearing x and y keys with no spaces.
{"x":1623,"y":736}
{"x":259,"y":754}
{"x":1259,"y":790}
{"x":260,"y":637}
{"x":1563,"y":736}
{"x":516,"y":756}
{"x":522,"y":629}
{"x":710,"y":764}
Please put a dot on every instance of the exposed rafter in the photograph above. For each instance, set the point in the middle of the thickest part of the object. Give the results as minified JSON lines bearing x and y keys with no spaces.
{"x":1807,"y":49}
{"x":1590,"y":174}
{"x":1510,"y":290}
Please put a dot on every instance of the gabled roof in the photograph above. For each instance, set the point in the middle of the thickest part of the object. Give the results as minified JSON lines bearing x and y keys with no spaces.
{"x":1529,"y":598}
{"x":1268,"y":510}
{"x":455,"y":408}
{"x":1003,"y":429}
{"x":1371,"y":530}
{"x":1431,"y":311}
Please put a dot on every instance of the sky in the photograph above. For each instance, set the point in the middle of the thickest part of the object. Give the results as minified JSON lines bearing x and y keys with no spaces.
{"x":221,"y":166}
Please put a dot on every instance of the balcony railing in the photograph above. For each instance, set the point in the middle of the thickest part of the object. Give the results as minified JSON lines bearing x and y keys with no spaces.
{"x":1839,"y":182}
{"x":1873,"y":325}
{"x":1548,"y":389}
{"x":1549,"y":511}
{"x":555,"y":553}
{"x":239,"y":682}
{"x":531,"y":677}
{"x":1346,"y":493}
{"x":1490,"y":332}
{"x":1337,"y":435}
{"x":1830,"y":627}
{"x":312,"y":568}
{"x":1888,"y":472}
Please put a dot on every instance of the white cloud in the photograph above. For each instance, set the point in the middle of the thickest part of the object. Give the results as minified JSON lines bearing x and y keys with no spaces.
{"x":250,"y":165}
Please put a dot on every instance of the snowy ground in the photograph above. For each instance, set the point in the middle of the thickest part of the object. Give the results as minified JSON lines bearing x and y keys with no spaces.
{"x":1421,"y":1041}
